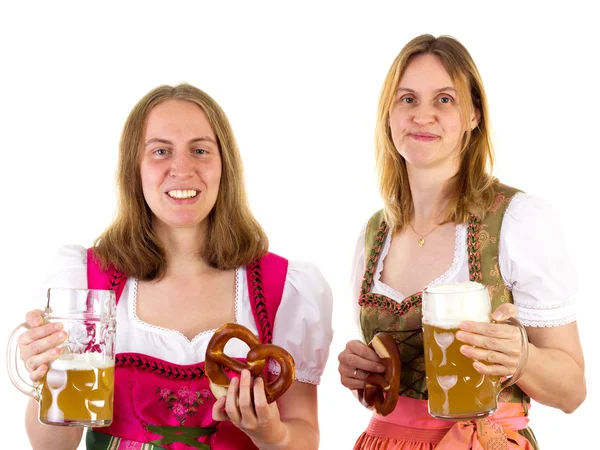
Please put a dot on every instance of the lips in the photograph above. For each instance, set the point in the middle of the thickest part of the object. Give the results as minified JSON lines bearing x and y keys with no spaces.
{"x":422,"y":136}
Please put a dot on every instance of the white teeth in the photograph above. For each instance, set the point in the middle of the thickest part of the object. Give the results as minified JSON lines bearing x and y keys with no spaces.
{"x":190,"y":193}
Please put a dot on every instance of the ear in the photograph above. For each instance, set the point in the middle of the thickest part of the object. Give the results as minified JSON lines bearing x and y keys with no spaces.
{"x":475,"y":118}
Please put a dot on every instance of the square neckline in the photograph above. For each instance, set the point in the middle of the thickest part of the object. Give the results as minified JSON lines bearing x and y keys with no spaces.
{"x":132,"y":305}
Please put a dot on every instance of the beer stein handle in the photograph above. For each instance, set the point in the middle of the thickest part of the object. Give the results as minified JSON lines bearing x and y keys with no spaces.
{"x":524,"y":355}
{"x":12,"y":365}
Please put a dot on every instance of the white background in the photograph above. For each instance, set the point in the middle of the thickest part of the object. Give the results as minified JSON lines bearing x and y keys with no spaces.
{"x":300,"y":84}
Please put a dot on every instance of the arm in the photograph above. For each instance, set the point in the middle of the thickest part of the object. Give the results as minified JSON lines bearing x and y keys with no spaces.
{"x":552,"y":351}
{"x":554,"y":374}
{"x":298,"y":412}
{"x":45,"y":437}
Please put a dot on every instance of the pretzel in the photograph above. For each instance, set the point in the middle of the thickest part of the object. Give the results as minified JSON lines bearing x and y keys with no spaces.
{"x":380,"y":390}
{"x":256,"y":359}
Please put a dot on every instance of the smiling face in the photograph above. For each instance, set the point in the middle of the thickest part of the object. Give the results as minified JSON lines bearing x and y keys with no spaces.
{"x":180,"y":164}
{"x":425,"y":116}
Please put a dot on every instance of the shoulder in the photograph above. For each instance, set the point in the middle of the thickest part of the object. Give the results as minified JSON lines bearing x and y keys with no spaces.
{"x":70,"y":257}
{"x":306,"y":277}
{"x":527,"y":209}
{"x":68,"y":268}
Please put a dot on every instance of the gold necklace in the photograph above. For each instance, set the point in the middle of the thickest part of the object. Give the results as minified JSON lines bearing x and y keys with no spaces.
{"x":422,"y":237}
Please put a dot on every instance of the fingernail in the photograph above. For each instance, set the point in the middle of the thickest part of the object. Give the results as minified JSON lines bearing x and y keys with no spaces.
{"x":62,"y":335}
{"x":460,"y":335}
{"x":464,"y":326}
{"x":55,"y":352}
{"x":245,"y":374}
{"x":234,"y":381}
{"x":381,"y":368}
{"x":463,"y":349}
{"x":497,"y":316}
{"x":58,"y":326}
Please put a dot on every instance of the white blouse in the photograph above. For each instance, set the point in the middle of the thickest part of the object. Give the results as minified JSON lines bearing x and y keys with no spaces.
{"x":533,"y":260}
{"x":302,"y":323}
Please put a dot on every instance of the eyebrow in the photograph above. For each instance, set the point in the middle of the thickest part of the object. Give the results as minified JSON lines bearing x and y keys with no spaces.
{"x":192,"y":141}
{"x":446,"y":88}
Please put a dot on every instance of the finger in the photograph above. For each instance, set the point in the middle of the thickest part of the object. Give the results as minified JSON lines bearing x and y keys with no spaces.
{"x":352,"y":383}
{"x":231,"y":406}
{"x":34,"y":318}
{"x":493,"y":369}
{"x":511,"y":347}
{"x":218,"y":412}
{"x":491,"y":330}
{"x":263,"y":409}
{"x":490,"y":356}
{"x":505,"y":311}
{"x":362,"y":350}
{"x":42,"y":345}
{"x":357,"y":374}
{"x":38,"y":373}
{"x":36,"y":333}
{"x":245,"y":401}
{"x":32,"y":364}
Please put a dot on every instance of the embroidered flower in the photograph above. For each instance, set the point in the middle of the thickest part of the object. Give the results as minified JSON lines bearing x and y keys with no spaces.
{"x":164,"y":393}
{"x":179,"y":409}
{"x":183,"y":392}
{"x":184,"y":402}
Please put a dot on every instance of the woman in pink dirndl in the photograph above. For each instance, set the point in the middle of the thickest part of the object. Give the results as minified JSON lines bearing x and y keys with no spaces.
{"x":446,"y":219}
{"x":185,"y":256}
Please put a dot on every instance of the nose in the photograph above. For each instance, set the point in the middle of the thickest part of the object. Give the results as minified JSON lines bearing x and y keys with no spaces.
{"x":181,"y":165}
{"x":424,"y":114}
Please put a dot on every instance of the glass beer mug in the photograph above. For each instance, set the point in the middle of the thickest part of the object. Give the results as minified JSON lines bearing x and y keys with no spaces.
{"x":456,"y":390}
{"x":78,"y":388}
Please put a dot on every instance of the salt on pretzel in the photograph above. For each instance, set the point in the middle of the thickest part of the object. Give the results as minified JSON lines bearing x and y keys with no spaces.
{"x":256,"y":359}
{"x":381,"y":390}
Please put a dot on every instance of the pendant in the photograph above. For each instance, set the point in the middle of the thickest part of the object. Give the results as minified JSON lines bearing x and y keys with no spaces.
{"x":421,"y":242}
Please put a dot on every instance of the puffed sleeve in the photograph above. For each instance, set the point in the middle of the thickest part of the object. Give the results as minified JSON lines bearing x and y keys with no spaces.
{"x":303,"y":321}
{"x":68,"y":269}
{"x":535,"y":264}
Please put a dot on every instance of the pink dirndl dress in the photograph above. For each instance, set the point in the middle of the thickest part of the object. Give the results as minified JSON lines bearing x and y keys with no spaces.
{"x":158,"y":404}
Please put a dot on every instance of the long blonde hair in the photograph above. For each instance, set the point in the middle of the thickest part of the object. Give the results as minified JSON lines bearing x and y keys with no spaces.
{"x":234,"y":237}
{"x":471,"y":189}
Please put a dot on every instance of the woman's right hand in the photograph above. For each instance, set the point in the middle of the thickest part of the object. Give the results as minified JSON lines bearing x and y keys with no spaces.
{"x":38,"y":345}
{"x":356,"y":362}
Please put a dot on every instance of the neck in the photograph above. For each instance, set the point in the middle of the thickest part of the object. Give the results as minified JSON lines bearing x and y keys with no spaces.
{"x":184,"y":249}
{"x":429,"y":191}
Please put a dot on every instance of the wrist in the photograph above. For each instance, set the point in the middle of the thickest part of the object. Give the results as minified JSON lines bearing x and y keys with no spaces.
{"x":278,"y":441}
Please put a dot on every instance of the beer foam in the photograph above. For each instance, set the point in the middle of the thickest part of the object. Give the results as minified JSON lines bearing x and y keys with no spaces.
{"x":84,"y":361}
{"x":446,"y":305}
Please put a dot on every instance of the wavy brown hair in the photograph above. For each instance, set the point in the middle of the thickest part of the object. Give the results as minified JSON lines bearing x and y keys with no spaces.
{"x":471,"y":189}
{"x":234,"y":237}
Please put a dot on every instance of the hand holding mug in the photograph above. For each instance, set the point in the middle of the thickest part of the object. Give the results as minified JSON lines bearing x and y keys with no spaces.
{"x":38,"y":345}
{"x":495,"y":347}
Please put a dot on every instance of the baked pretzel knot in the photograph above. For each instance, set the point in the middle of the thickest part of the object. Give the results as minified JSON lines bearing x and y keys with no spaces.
{"x":256,"y":359}
{"x":381,"y":390}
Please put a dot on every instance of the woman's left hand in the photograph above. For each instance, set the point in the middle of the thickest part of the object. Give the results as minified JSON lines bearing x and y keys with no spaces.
{"x":495,"y":347}
{"x":258,"y":419}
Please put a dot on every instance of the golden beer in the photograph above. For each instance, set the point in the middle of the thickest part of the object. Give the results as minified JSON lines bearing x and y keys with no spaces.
{"x":78,"y":388}
{"x":78,"y":391}
{"x":456,"y":389}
